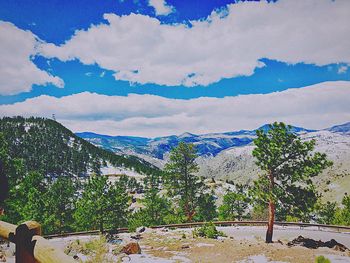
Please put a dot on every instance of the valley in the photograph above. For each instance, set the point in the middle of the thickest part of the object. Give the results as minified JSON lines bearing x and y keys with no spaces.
{"x":228,"y":156}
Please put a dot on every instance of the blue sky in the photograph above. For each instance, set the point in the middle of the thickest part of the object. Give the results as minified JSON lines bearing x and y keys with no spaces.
{"x":176,"y":50}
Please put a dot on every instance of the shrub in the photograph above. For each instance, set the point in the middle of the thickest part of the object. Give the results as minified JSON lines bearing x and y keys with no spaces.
{"x":208,"y":230}
{"x":290,"y":218}
{"x":322,"y":259}
{"x":136,"y":220}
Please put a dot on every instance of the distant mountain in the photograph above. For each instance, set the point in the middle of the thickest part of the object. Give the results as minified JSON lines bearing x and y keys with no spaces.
{"x":228,"y":155}
{"x":343,"y":128}
{"x":238,"y":165}
{"x":47,"y":146}
{"x":294,"y":129}
{"x":206,"y":144}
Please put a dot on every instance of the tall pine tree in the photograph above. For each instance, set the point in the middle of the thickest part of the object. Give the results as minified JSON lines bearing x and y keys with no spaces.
{"x":181,"y":178}
{"x":288,"y":164}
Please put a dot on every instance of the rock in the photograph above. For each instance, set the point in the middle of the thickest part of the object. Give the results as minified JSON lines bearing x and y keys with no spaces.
{"x":335,"y":245}
{"x":184,"y":246}
{"x":140,"y":229}
{"x":311,"y":243}
{"x":131,"y":248}
{"x":136,"y":237}
{"x":111,"y":238}
{"x":305,"y":242}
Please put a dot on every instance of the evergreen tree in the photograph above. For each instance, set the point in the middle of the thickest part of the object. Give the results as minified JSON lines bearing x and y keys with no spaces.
{"x":181,"y":178}
{"x":133,"y":185}
{"x":30,"y":197}
{"x":342,"y":215}
{"x":156,"y":207}
{"x":326,"y":212}
{"x":235,"y":204}
{"x":4,"y":184}
{"x":206,"y":210}
{"x":59,"y":205}
{"x":102,"y":204}
{"x":288,"y":165}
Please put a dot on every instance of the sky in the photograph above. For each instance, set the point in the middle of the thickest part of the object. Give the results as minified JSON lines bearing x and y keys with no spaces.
{"x":161,"y":67}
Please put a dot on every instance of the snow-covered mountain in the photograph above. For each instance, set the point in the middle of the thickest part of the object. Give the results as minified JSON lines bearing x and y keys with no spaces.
{"x":228,"y":156}
{"x":207,"y":145}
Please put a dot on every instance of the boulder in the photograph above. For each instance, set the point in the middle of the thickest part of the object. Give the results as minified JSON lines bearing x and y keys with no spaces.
{"x":311,"y":243}
{"x":131,"y":248}
{"x":140,"y":229}
{"x":184,"y":246}
{"x":136,"y":237}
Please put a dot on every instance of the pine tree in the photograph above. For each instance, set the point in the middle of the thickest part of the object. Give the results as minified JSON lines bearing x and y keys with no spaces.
{"x":326,"y":212}
{"x":288,"y":165}
{"x":59,"y":205}
{"x":235,"y":204}
{"x":342,"y":215}
{"x":157,"y":207}
{"x":102,"y":205}
{"x":206,"y":210}
{"x":30,"y":197}
{"x":181,"y":178}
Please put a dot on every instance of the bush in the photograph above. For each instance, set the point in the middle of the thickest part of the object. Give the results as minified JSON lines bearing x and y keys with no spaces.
{"x":174,"y":218}
{"x":322,"y":259}
{"x":208,"y":230}
{"x":136,"y":220}
{"x":290,"y":218}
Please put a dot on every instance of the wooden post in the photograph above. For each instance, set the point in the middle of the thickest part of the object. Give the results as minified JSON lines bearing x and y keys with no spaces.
{"x":24,"y":244}
{"x":31,"y":247}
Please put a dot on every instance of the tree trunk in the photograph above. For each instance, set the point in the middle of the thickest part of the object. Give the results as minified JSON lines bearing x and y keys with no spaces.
{"x":190,"y":215}
{"x":269,"y":231}
{"x":101,"y":225}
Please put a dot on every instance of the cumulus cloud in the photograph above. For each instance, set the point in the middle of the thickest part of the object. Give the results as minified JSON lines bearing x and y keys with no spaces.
{"x":17,"y":71}
{"x":161,"y":7}
{"x":316,"y":106}
{"x":228,"y":43}
{"x":342,"y":69}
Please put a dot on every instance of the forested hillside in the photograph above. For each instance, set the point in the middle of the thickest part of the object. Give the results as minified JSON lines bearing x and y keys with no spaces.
{"x":51,"y":174}
{"x":41,"y":159}
{"x":48,"y":147}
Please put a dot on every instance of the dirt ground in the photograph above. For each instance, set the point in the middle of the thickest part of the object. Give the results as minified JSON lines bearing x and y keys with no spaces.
{"x":242,"y":244}
{"x":172,"y":245}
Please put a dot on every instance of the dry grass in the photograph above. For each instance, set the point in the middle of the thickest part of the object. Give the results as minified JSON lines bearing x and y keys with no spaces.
{"x":96,"y":249}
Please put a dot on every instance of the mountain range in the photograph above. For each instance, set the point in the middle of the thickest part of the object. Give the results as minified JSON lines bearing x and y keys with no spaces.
{"x":158,"y":148}
{"x":228,"y":155}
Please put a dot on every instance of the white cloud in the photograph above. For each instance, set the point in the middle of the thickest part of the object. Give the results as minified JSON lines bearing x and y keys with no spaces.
{"x":342,"y":69}
{"x":161,"y":7}
{"x":17,"y":71}
{"x":230,"y":43}
{"x":317,"y":106}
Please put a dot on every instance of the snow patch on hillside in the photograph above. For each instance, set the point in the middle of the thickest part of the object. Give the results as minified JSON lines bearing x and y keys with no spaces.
{"x":112,"y":170}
